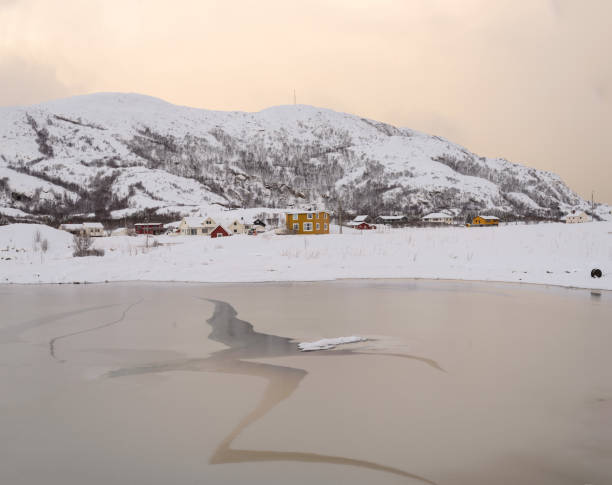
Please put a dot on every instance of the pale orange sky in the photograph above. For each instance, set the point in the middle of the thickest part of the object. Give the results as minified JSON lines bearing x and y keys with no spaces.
{"x":527,"y":80}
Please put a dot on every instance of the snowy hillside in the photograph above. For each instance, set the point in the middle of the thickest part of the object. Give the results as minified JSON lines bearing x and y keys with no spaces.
{"x":106,"y":152}
{"x":553,"y":253}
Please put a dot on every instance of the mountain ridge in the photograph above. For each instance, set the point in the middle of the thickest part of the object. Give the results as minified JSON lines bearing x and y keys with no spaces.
{"x":121,"y":152}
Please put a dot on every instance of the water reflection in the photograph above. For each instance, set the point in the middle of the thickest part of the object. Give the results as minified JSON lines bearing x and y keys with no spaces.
{"x":245,"y":343}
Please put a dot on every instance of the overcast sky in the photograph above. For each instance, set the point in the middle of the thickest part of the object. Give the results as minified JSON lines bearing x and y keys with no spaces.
{"x":527,"y":80}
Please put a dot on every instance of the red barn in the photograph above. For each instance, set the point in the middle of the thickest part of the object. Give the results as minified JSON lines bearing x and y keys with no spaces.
{"x":219,"y":231}
{"x":149,"y":228}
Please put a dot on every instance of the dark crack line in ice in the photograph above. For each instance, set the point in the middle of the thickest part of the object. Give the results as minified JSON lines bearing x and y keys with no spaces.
{"x":53,"y":341}
{"x":18,"y":329}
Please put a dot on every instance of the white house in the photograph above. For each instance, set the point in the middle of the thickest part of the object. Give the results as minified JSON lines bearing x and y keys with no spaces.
{"x":92,"y":229}
{"x":197,"y":226}
{"x":438,"y":218}
{"x":235,"y":226}
{"x":576,"y":217}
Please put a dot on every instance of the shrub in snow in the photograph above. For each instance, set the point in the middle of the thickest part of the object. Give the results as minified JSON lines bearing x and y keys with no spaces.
{"x":82,"y":246}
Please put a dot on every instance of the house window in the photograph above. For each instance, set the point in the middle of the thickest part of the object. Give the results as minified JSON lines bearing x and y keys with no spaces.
{"x":235,"y":230}
{"x":295,"y":217}
{"x":309,"y":216}
{"x":194,"y":232}
{"x":318,"y":226}
{"x":325,"y":226}
{"x":318,"y":215}
{"x":308,"y":226}
{"x":326,"y":215}
{"x":296,"y":227}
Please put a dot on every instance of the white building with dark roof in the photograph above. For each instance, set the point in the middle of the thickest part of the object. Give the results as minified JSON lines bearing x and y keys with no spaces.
{"x":438,"y":218}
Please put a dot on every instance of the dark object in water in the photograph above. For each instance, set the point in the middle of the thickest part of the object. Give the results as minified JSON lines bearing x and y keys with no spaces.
{"x":595,"y":273}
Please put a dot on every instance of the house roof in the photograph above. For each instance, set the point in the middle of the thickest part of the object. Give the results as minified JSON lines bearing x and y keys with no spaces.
{"x":194,"y":221}
{"x":391,"y":218}
{"x":72,"y":226}
{"x":438,"y":215}
{"x":222,"y":226}
{"x":306,"y":212}
{"x":361,"y":218}
{"x":493,"y":218}
{"x":93,"y":225}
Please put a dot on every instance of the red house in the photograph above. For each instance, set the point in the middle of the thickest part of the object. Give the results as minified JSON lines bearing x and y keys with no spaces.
{"x":149,"y":228}
{"x":364,"y":226}
{"x":219,"y":231}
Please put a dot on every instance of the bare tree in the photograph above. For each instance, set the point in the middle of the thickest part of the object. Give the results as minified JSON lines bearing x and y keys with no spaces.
{"x":36,"y":240}
{"x":44,"y":246}
{"x":82,"y":244}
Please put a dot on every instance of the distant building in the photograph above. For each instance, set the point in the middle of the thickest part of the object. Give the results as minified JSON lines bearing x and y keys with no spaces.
{"x":219,"y":231}
{"x":395,"y":221}
{"x":576,"y":217}
{"x":92,"y":229}
{"x":149,"y":228}
{"x":258,"y":222}
{"x":485,"y":221}
{"x":257,"y":225}
{"x":236,"y":227}
{"x":359,"y":219}
{"x":197,"y":226}
{"x":362,"y":226}
{"x":72,"y":228}
{"x":307,"y":222}
{"x":438,"y":218}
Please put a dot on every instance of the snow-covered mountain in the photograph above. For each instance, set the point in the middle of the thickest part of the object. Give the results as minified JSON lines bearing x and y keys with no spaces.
{"x":109,"y":151}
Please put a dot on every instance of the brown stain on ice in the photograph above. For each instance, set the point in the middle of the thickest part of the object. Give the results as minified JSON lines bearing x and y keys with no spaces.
{"x":245,"y":343}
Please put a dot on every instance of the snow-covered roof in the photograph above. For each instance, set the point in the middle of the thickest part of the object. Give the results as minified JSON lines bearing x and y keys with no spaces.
{"x":71,"y":227}
{"x":391,"y":218}
{"x":93,"y":225}
{"x":437,"y":215}
{"x":361,"y":218}
{"x":490,"y":218}
{"x":194,"y":221}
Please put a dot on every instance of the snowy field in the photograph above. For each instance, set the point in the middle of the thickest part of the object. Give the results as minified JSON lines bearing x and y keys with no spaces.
{"x":553,"y":253}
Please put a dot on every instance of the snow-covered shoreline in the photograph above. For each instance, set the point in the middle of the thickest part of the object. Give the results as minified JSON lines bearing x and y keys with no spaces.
{"x":548,"y":254}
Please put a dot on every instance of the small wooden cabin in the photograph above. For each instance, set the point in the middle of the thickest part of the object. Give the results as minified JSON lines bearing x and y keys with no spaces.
{"x":363,"y":226}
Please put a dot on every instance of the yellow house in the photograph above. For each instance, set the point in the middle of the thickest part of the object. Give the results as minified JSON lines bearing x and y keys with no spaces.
{"x":485,"y":221}
{"x":308,"y":222}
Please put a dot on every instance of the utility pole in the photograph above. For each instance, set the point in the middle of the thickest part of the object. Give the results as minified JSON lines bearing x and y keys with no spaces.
{"x":592,"y":206}
{"x":340,"y":215}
